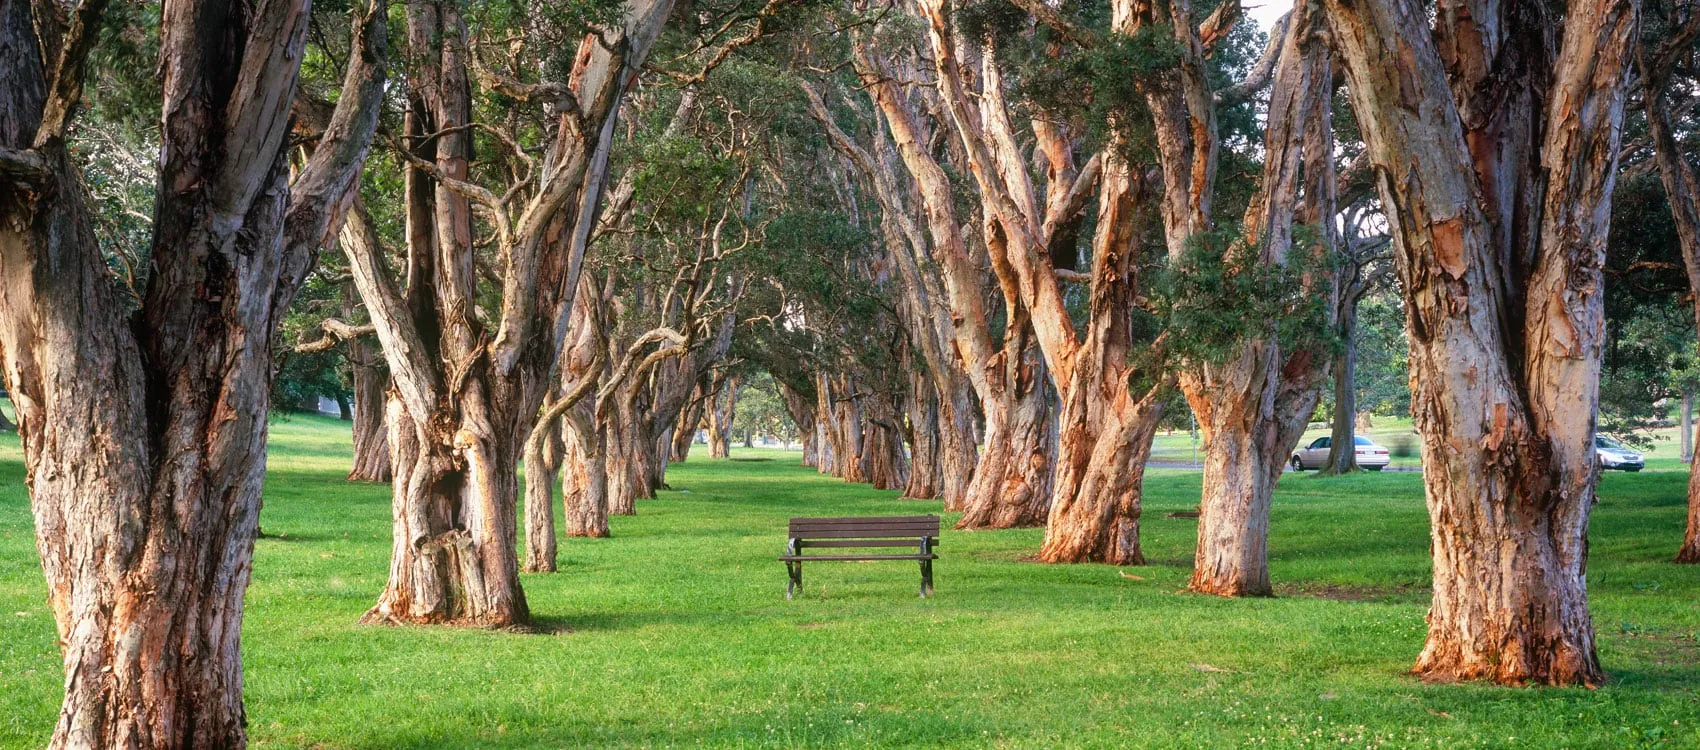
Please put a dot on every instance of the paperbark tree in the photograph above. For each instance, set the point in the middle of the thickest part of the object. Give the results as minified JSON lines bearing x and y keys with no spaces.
{"x":1495,"y":146}
{"x":1110,"y":408}
{"x":465,"y":396}
{"x":690,"y":420}
{"x":921,"y":432}
{"x":1363,"y":267}
{"x":371,"y":441}
{"x":144,"y":428}
{"x":1658,"y":65}
{"x":584,"y":489}
{"x":1254,"y":400}
{"x":929,"y":315}
{"x":799,"y":404}
{"x":723,"y":402}
{"x":1011,"y":484}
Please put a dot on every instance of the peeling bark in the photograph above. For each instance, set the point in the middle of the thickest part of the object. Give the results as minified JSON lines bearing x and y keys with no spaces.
{"x":1106,"y":426}
{"x":1011,"y":479}
{"x":1505,"y":313}
{"x":144,"y":428}
{"x":1253,"y":407}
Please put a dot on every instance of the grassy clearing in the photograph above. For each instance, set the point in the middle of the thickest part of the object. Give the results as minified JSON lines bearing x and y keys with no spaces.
{"x":676,"y":631}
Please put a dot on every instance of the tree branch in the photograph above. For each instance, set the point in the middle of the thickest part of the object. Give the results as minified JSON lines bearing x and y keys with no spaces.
{"x":334,"y":331}
{"x":1263,"y":70}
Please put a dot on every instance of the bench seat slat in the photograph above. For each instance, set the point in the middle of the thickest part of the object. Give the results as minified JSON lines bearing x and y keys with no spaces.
{"x":852,"y":558}
{"x":910,"y":542}
{"x":915,"y":534}
{"x":867,"y":524}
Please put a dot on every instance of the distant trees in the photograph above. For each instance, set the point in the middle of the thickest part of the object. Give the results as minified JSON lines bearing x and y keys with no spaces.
{"x":468,"y":383}
{"x":1668,"y":71}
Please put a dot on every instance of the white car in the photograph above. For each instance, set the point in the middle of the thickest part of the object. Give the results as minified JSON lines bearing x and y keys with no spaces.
{"x":1614,"y":455}
{"x":1313,"y":456}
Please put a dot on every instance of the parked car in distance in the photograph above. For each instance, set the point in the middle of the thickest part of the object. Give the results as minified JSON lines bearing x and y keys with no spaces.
{"x":1313,"y":456}
{"x":1615,"y":455}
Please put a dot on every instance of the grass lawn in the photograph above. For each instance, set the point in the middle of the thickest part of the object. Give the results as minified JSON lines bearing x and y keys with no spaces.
{"x":676,"y":631}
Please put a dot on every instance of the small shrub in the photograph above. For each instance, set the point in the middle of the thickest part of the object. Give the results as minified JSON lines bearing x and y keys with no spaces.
{"x":1403,"y":446}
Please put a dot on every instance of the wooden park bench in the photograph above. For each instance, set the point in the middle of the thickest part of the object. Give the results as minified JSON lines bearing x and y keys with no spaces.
{"x":921,"y":532}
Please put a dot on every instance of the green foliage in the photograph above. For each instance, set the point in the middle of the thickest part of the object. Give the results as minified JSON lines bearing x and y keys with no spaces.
{"x":1384,"y":382}
{"x":681,"y":180}
{"x":760,"y":409}
{"x":1219,"y":294}
{"x":1650,"y":337}
{"x":1105,"y":86}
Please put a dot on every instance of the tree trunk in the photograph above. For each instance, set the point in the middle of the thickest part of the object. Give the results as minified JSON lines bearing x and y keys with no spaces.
{"x":724,"y":402}
{"x":685,"y":432}
{"x":626,"y":462}
{"x":586,"y":479}
{"x":1342,"y":443}
{"x":886,"y":464}
{"x":921,"y":432}
{"x":542,"y":465}
{"x":1505,"y":338}
{"x":1250,"y":420}
{"x":1013,"y":486}
{"x":144,"y":428}
{"x":452,"y":559}
{"x":1687,"y":427}
{"x":1102,"y":450}
{"x":1689,"y":553}
{"x":371,"y":444}
{"x":802,"y":411}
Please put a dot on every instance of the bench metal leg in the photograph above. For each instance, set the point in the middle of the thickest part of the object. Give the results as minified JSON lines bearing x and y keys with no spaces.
{"x":926,"y":578}
{"x":794,"y":571}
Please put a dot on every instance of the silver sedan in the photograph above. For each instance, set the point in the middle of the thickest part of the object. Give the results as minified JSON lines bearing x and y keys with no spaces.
{"x":1370,"y":456}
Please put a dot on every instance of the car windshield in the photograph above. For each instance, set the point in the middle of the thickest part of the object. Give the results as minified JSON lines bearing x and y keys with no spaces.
{"x":1608,"y":443}
{"x":1361,"y":440}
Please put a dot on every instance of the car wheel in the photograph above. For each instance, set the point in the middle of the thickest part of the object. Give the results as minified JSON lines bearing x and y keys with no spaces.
{"x":1297,"y":464}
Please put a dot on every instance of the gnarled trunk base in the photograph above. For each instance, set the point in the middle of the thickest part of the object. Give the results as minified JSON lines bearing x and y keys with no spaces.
{"x":452,"y":559}
{"x":1232,"y":557}
{"x":1513,"y":612}
{"x":1012,"y":481}
{"x":1100,"y":475}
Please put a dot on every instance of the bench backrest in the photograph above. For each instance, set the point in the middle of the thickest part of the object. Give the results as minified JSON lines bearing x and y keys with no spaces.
{"x":877,"y":527}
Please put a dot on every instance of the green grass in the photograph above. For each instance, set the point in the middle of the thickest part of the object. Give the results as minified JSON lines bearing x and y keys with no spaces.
{"x":676,"y":631}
